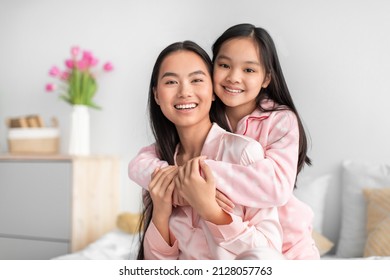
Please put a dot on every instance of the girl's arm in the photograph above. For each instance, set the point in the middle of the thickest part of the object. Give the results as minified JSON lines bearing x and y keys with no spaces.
{"x":144,"y":164}
{"x":270,"y":181}
{"x":200,"y":191}
{"x":141,"y":168}
{"x":245,"y":228}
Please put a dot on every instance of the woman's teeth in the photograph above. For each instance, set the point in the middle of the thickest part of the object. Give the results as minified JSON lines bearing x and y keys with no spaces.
{"x":185,"y":106}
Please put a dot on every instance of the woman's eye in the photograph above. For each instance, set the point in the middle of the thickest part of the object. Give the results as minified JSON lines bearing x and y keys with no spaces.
{"x":249,"y":70}
{"x":197,"y":81}
{"x":222,"y":65}
{"x":170,"y":82}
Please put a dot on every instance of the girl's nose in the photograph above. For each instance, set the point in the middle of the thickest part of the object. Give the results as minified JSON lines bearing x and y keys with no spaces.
{"x":233,"y":76}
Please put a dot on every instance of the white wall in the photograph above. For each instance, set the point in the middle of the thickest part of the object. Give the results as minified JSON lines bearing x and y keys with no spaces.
{"x":335,"y":55}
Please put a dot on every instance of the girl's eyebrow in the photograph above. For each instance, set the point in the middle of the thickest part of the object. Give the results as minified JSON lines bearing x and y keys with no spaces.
{"x":223,"y":57}
{"x":247,"y":62}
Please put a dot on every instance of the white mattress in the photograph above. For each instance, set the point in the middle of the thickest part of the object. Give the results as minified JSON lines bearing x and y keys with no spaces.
{"x":115,"y":245}
{"x":118,"y":245}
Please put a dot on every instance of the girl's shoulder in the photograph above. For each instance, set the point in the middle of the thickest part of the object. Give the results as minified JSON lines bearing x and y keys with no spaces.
{"x":271,"y":110}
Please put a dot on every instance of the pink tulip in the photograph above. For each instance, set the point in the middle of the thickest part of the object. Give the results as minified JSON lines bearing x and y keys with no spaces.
{"x":82,"y":64}
{"x":108,"y":66}
{"x":69,"y":63}
{"x":64,"y":76}
{"x":88,"y":57}
{"x":94,"y":61}
{"x":75,"y":51}
{"x":50,"y":87}
{"x":54,"y":71}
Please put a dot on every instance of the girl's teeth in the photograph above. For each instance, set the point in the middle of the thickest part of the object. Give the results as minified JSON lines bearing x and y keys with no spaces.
{"x":233,"y":90}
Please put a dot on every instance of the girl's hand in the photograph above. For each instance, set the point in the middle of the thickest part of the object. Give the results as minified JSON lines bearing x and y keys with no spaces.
{"x":200,"y":192}
{"x":177,"y":199}
{"x":224,"y":202}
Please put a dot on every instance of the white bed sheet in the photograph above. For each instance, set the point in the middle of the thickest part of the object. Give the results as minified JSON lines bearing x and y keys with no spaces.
{"x":118,"y":245}
{"x":115,"y":245}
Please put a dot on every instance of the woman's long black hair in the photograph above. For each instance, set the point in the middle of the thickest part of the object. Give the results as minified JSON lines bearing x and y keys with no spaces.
{"x":164,"y":130}
{"x":277,"y":90}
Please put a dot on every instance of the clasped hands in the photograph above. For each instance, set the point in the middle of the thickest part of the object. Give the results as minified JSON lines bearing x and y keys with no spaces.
{"x":190,"y":184}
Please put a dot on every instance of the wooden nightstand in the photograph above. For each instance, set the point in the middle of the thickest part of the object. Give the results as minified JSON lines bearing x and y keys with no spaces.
{"x":54,"y":205}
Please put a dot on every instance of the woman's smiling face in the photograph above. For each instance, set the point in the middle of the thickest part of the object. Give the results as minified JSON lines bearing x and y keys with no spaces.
{"x":184,"y":89}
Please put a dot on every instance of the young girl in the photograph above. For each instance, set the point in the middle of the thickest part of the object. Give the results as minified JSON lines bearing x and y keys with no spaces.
{"x":248,"y":79}
{"x":180,"y":98}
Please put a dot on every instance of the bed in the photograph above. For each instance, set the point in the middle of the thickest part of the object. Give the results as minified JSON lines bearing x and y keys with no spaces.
{"x":351,"y":216}
{"x":115,"y":245}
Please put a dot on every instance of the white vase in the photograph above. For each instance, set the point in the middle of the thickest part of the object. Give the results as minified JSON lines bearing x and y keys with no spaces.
{"x":79,"y":144}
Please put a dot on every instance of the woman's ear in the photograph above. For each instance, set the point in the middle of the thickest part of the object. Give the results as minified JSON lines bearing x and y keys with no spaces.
{"x":266,"y":81}
{"x":155,"y":96}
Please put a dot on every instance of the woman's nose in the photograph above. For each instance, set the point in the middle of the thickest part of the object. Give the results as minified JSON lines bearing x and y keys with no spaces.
{"x":185,"y":91}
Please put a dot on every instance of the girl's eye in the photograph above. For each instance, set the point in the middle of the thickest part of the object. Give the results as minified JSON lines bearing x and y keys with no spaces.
{"x":170,"y":82}
{"x":197,"y":81}
{"x":223,"y":65}
{"x":249,"y":70}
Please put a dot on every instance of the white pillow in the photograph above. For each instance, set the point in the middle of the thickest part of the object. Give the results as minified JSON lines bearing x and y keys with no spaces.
{"x":312,"y":191}
{"x":355,"y":177}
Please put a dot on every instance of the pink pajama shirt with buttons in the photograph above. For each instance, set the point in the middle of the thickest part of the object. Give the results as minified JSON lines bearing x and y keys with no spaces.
{"x":195,"y":238}
{"x":265,"y":183}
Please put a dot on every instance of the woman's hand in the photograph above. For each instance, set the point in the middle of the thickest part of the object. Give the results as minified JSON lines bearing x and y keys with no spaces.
{"x":161,"y":188}
{"x":200,"y":192}
{"x":223,"y":201}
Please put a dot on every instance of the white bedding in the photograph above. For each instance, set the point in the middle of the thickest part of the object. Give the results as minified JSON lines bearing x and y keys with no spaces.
{"x":118,"y":245}
{"x":115,"y":245}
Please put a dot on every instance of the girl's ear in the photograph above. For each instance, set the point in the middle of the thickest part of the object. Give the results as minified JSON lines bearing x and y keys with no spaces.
{"x":266,"y":81}
{"x":155,"y":96}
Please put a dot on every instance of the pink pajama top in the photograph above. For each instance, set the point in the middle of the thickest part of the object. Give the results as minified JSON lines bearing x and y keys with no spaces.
{"x":262,"y":184}
{"x":195,"y":238}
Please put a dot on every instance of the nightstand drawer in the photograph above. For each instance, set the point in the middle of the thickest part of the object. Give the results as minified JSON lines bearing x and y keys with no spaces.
{"x":23,"y":249}
{"x":35,"y":201}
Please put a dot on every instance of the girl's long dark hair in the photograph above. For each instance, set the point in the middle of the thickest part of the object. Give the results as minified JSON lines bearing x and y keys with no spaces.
{"x":164,"y":130}
{"x":277,"y":90}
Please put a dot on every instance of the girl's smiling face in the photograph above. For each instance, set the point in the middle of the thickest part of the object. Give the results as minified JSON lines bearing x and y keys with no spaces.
{"x":239,"y":75}
{"x":184,"y":89}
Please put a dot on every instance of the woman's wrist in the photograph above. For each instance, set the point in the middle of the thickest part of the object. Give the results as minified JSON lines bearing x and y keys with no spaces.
{"x":217,"y":216}
{"x":162,"y":225}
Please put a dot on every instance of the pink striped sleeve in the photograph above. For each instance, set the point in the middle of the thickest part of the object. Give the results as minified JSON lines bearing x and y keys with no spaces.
{"x":143,"y":165}
{"x":155,"y":247}
{"x":267,"y":182}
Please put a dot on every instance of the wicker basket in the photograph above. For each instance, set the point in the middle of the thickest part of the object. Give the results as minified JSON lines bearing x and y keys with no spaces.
{"x":33,"y":140}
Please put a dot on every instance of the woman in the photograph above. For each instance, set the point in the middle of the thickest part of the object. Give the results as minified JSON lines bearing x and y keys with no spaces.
{"x":183,"y":111}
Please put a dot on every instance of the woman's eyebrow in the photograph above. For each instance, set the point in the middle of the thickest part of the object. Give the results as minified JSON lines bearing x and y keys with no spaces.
{"x":169,"y":74}
{"x":172,"y":74}
{"x":198,"y":72}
